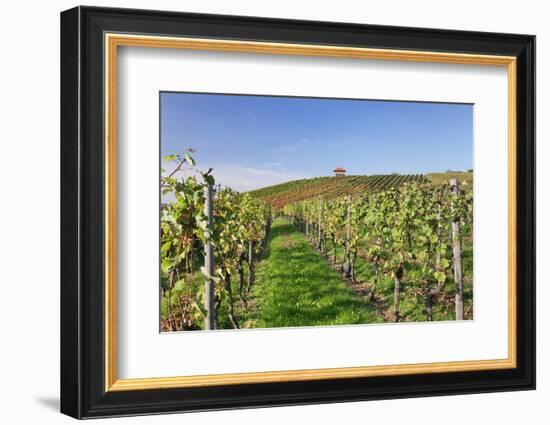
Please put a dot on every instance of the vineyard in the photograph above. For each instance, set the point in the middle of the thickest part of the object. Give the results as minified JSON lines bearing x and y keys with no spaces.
{"x":415,"y":233}
{"x":330,"y":187}
{"x":321,"y":251}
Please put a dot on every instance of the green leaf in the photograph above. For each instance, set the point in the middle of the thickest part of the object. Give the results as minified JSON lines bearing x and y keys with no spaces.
{"x":189,"y":160}
{"x":209,"y":179}
{"x":166,"y":265}
{"x":178,"y":287}
{"x":199,"y":308}
{"x":440,"y":277}
{"x":166,"y":246}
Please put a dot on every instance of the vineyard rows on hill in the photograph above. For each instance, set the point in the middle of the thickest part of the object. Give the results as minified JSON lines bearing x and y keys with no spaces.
{"x":331,"y":187}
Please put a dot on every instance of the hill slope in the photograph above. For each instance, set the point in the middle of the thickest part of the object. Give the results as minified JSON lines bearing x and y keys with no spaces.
{"x":332,"y":187}
{"x":443,"y":178}
{"x":329,"y":187}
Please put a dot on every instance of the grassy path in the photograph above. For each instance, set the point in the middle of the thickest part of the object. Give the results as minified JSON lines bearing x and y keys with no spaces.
{"x":296,"y":287}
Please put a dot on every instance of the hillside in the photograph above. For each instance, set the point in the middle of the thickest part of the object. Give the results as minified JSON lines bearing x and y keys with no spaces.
{"x":334,"y":186}
{"x":329,"y":187}
{"x":440,"y":178}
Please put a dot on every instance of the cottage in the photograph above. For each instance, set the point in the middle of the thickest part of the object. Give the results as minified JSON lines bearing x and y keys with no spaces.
{"x":339,"y":171}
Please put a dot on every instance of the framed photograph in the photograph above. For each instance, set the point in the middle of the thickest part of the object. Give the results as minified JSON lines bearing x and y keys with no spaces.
{"x":261,"y":212}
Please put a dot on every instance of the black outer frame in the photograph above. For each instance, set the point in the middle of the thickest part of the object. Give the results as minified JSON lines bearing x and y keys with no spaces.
{"x":82,"y":206}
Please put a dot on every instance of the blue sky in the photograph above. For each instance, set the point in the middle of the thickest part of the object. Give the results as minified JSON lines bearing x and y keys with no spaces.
{"x":257,"y":141}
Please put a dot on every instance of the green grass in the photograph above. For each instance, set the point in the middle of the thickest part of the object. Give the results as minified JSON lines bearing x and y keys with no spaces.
{"x":296,"y":287}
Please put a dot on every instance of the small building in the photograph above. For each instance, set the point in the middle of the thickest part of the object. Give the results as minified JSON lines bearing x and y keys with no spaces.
{"x":339,"y":171}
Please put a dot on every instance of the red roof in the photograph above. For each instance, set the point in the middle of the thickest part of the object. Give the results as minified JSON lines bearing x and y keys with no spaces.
{"x":339,"y":170}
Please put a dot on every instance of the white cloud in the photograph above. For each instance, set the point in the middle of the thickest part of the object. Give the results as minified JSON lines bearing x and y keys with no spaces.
{"x":241,"y":178}
{"x":248,"y":178}
{"x":287,"y":148}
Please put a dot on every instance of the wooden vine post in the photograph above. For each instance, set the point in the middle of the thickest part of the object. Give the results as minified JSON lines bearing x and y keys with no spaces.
{"x":457,"y":260}
{"x":398,"y":275}
{"x":347,"y":247}
{"x":250,"y":265}
{"x":209,"y":290}
{"x":267,"y":229}
{"x":319,"y":246}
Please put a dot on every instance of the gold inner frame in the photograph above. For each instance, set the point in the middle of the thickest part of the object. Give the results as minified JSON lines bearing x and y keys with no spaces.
{"x":113,"y":41}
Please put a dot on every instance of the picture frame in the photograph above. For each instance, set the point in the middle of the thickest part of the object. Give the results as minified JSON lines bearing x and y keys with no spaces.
{"x":90,"y":40}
